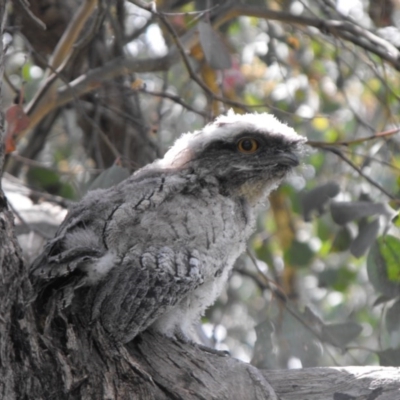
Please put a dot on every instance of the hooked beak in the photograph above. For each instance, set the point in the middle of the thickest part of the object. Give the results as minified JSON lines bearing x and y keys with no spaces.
{"x":287,"y":159}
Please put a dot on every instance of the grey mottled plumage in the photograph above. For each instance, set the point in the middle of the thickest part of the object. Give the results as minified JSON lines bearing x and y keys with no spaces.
{"x":156,"y":249}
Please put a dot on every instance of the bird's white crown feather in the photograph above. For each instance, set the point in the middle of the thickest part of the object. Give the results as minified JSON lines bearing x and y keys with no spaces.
{"x":224,"y":128}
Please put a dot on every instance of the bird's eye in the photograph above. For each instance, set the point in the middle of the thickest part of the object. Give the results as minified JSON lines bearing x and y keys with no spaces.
{"x":247,"y":145}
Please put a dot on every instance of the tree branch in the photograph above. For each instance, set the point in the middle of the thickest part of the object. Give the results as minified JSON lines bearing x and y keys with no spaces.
{"x":25,"y":7}
{"x":361,"y":173}
{"x":73,"y":31}
{"x":343,"y":29}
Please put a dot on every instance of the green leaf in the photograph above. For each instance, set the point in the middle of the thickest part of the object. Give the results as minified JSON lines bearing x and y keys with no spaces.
{"x":342,"y":240}
{"x":234,"y":28}
{"x":299,"y":254}
{"x":340,"y":334}
{"x":317,"y":160}
{"x":26,"y":76}
{"x":338,"y":279}
{"x":389,"y":357}
{"x":383,"y":266}
{"x":109,"y":177}
{"x":367,"y":232}
{"x":390,"y":250}
{"x":316,"y":198}
{"x":49,"y":181}
{"x":346,"y":211}
{"x":324,"y":231}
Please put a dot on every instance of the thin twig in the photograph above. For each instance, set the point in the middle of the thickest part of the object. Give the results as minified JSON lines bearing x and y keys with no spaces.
{"x":336,"y":151}
{"x":281,"y":296}
{"x":189,"y":68}
{"x":61,"y":201}
{"x":173,"y":98}
{"x":346,"y":143}
{"x":103,"y":136}
{"x":13,"y":88}
{"x":37,"y":164}
{"x":25,"y":7}
{"x":71,"y":34}
{"x":198,"y":13}
{"x":30,"y":228}
{"x":373,"y":159}
{"x":185,"y":59}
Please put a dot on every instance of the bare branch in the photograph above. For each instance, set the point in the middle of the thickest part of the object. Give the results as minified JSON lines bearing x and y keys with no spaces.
{"x":64,"y":46}
{"x":379,"y":135}
{"x":173,"y":98}
{"x":360,"y":172}
{"x":42,"y":102}
{"x":26,"y":9}
{"x":344,"y":29}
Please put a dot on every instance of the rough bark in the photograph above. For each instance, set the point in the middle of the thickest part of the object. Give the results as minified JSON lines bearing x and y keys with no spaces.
{"x":71,"y":364}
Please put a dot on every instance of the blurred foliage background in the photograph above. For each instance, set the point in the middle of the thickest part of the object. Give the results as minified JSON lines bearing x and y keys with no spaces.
{"x":97,"y":89}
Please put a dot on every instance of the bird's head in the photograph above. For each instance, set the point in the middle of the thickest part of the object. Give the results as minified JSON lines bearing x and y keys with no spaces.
{"x":249,"y":154}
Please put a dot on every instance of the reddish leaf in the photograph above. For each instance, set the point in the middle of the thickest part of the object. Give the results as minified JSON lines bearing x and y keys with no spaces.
{"x":17,"y":121}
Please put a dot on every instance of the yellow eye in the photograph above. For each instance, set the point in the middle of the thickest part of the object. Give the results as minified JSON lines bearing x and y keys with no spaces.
{"x":247,"y":145}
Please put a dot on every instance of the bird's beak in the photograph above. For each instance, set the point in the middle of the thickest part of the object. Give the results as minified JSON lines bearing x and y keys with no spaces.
{"x":286,"y":159}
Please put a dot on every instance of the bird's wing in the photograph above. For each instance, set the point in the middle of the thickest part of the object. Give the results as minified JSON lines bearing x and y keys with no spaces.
{"x":143,"y":279}
{"x":80,"y":240}
{"x":75,"y":245}
{"x":142,"y":288}
{"x":62,"y":267}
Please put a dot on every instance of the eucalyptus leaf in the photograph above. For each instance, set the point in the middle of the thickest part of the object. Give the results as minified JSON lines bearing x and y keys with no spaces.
{"x":299,"y":254}
{"x":367,"y":232}
{"x":389,"y":357}
{"x":383,"y":266}
{"x":341,"y":334}
{"x":109,"y":177}
{"x":342,"y":240}
{"x":50,"y":181}
{"x":316,"y":198}
{"x":344,"y":212}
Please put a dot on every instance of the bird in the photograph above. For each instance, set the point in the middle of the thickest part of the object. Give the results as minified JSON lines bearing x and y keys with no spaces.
{"x":155,"y":251}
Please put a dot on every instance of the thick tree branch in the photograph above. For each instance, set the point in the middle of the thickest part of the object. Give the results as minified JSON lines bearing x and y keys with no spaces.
{"x":199,"y":375}
{"x":71,"y":34}
{"x":41,"y":104}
